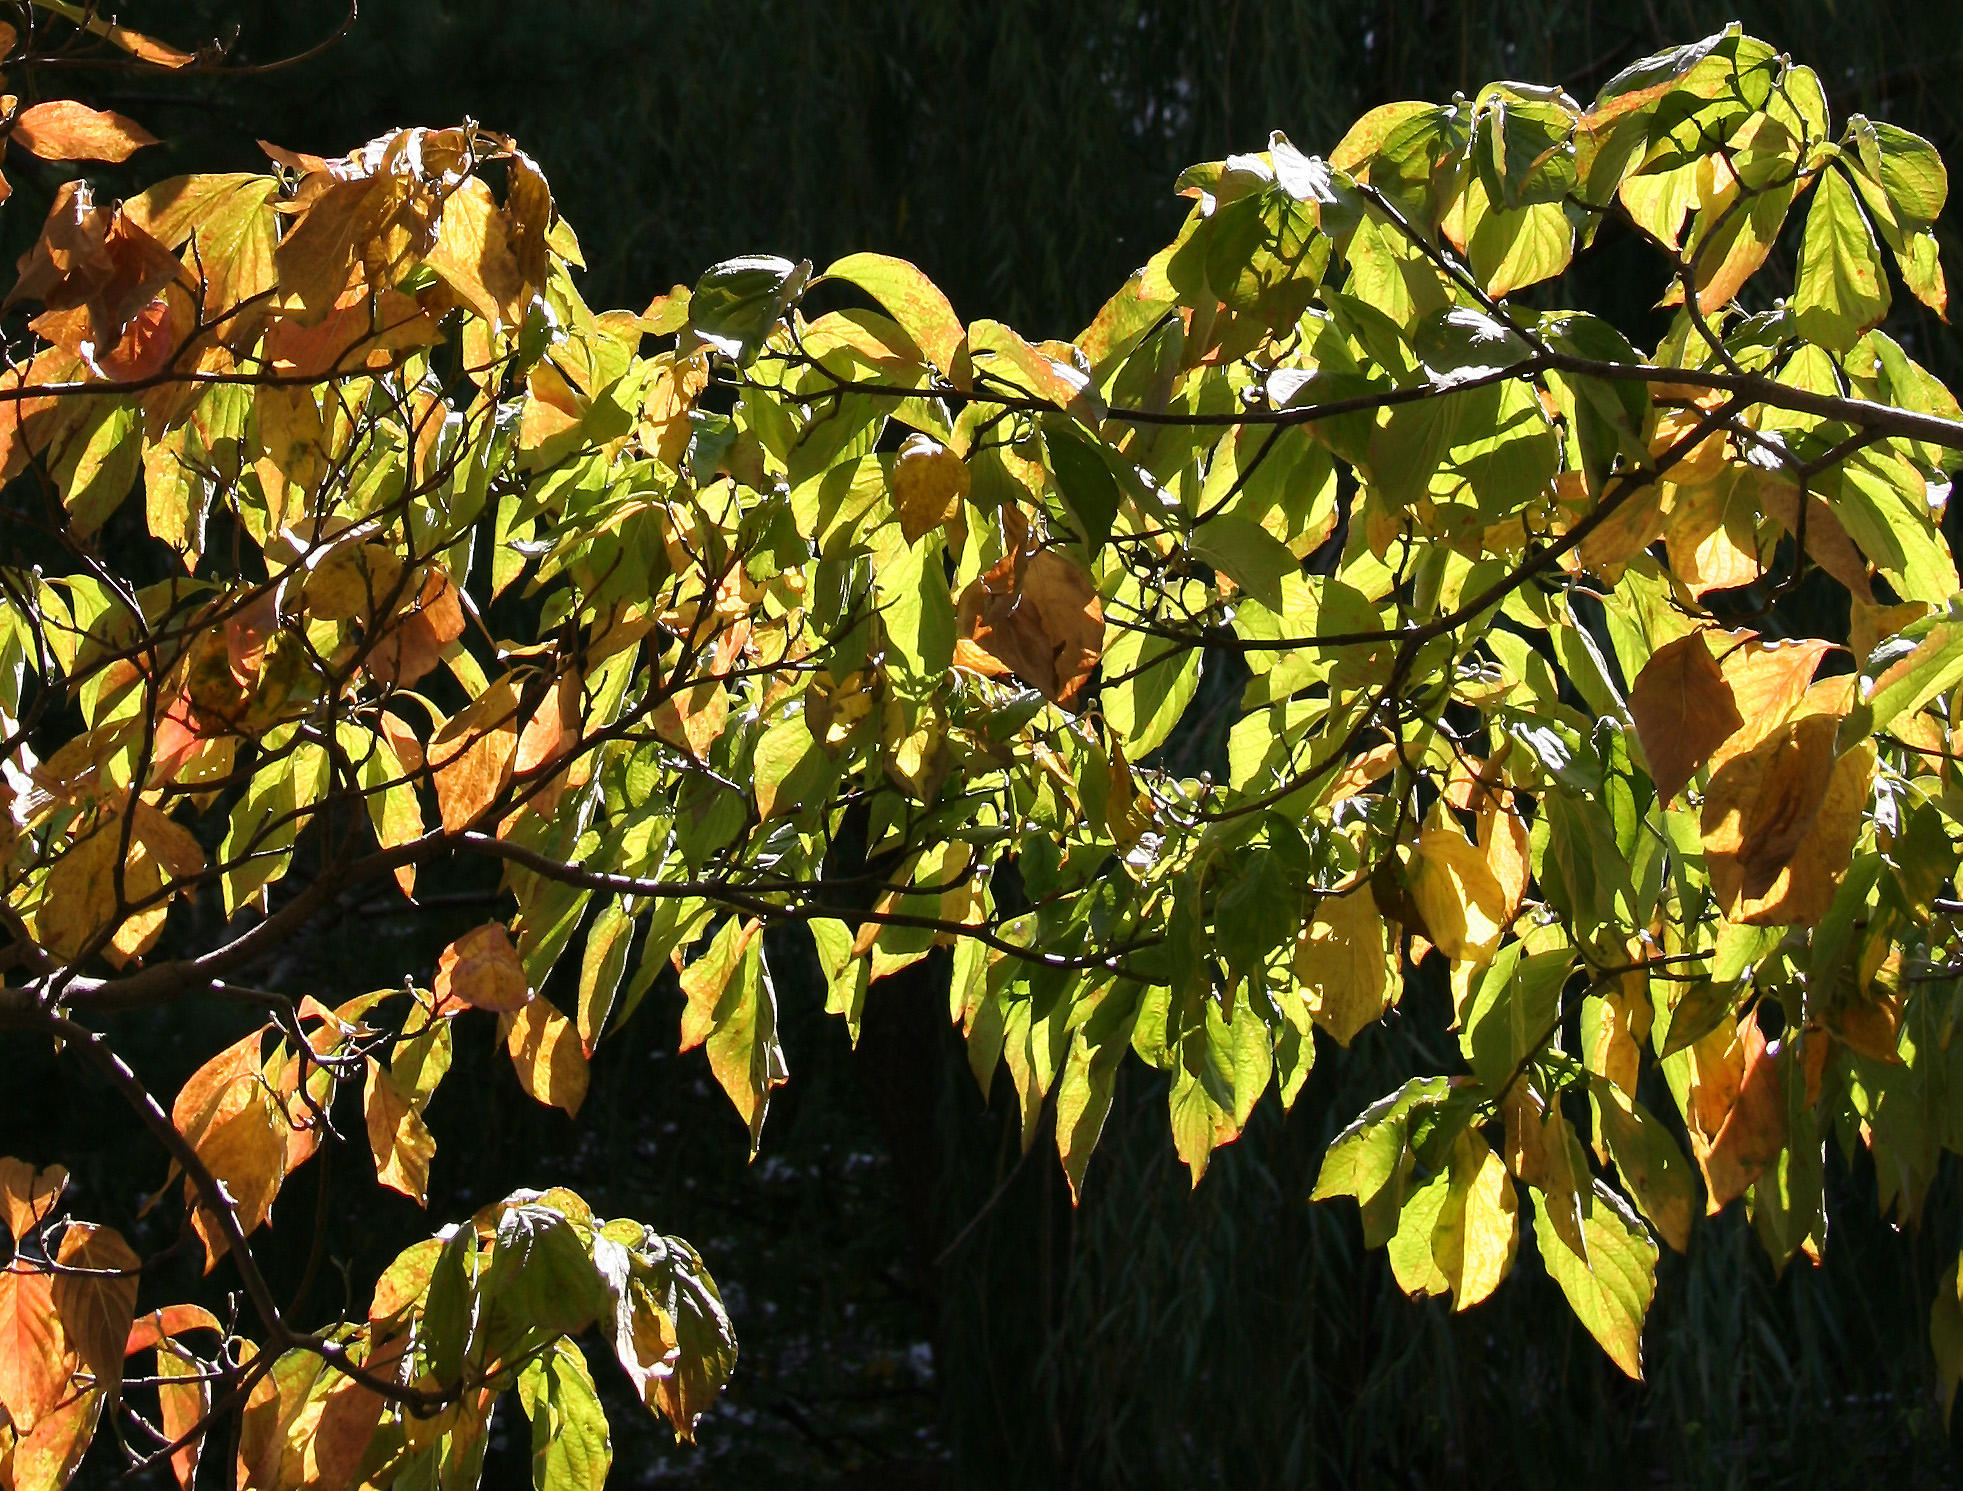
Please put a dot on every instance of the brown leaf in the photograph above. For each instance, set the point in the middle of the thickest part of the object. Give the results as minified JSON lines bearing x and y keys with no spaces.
{"x":1761,"y":806}
{"x":1040,"y":620}
{"x":1801,"y":892}
{"x":27,"y":1195}
{"x":482,"y":969}
{"x":471,"y":756}
{"x":929,"y":484}
{"x":62,"y":129}
{"x":1683,"y":711}
{"x":545,"y":1050}
{"x":35,"y":1358}
{"x":401,"y":1142}
{"x":1753,"y":1130}
{"x":98,"y":1303}
{"x":96,"y":271}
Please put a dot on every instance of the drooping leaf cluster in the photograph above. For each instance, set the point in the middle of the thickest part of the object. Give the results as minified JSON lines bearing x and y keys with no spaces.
{"x":793,"y":598}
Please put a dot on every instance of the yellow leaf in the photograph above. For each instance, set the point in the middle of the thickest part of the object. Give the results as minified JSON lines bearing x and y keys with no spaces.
{"x":401,"y":1142}
{"x":545,"y":1050}
{"x":483,"y":970}
{"x":930,"y":482}
{"x":1761,"y":807}
{"x":1463,"y":904}
{"x":1479,"y":1227}
{"x":475,"y":257}
{"x":1767,"y":679}
{"x":1343,"y":966}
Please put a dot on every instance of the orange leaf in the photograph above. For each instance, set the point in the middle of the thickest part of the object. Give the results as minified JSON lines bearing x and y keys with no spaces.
{"x":169,"y":1322}
{"x":1767,"y":679}
{"x":471,"y":756}
{"x":482,"y":969}
{"x":27,"y":1195}
{"x":549,"y":735}
{"x":1683,"y":711}
{"x":1753,"y":1131}
{"x":35,"y":1360}
{"x":545,"y":1050}
{"x":62,"y":129}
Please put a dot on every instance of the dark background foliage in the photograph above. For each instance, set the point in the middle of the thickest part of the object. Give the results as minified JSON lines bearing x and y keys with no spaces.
{"x":919,"y":1304}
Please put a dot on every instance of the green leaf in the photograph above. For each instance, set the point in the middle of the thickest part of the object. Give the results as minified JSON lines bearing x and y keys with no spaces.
{"x":1653,"y":1168}
{"x":1083,"y":480}
{"x":541,"y":1271}
{"x":1364,"y":1159}
{"x":1250,"y":556}
{"x":1610,"y":1290}
{"x":909,"y":297}
{"x":571,"y":1450}
{"x":1513,"y":1010}
{"x":1841,"y":290}
{"x":737,"y":302}
{"x":1150,"y":681}
{"x":1905,"y":672}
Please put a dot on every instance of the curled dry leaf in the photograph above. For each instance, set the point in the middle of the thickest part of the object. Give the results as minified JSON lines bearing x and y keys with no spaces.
{"x":482,"y":969}
{"x":1039,"y":619}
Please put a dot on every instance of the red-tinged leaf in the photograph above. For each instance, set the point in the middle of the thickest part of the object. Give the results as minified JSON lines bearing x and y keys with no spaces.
{"x":35,"y":1359}
{"x":1683,"y":711}
{"x":169,"y":1323}
{"x":482,"y":969}
{"x":64,"y":130}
